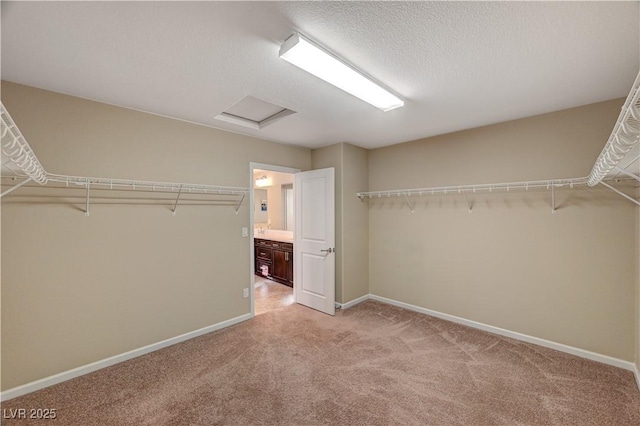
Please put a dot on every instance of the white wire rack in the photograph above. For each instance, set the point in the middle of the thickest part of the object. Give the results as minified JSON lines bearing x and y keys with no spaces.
{"x":140,"y":185}
{"x":465,"y":190}
{"x":17,"y":151}
{"x":23,"y":162}
{"x":623,"y":139}
{"x":622,"y":149}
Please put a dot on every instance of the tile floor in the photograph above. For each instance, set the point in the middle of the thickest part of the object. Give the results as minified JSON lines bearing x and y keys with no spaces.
{"x":271,"y":296}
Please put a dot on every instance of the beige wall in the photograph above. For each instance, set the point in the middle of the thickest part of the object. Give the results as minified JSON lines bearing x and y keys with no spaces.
{"x":352,"y":218}
{"x":331,"y":156}
{"x":567,"y":277}
{"x":78,"y":289}
{"x":355,"y":223}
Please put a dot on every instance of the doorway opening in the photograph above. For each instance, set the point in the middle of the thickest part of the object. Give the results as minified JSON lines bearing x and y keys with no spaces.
{"x":271,"y":244}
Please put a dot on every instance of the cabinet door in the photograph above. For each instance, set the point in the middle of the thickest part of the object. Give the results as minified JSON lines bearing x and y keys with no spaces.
{"x":289,"y":267}
{"x":279,"y":264}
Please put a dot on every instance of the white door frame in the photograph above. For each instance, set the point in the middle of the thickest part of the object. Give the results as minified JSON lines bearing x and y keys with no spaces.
{"x":252,"y":261}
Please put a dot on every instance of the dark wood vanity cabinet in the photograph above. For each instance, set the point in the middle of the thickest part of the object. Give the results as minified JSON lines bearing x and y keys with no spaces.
{"x":274,"y":260}
{"x":264,"y":260}
{"x":283,"y":267}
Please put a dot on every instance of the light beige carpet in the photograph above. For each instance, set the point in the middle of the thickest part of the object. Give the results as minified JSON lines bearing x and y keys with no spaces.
{"x":372,"y":364}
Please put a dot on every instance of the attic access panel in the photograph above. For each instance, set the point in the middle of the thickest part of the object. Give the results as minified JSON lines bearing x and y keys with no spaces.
{"x":253,"y":113}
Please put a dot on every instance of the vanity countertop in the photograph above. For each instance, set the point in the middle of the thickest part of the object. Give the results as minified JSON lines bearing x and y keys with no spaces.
{"x":274,"y":235}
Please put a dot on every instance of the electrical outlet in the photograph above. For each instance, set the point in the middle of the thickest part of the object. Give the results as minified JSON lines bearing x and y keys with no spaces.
{"x":245,"y":231}
{"x":245,"y":293}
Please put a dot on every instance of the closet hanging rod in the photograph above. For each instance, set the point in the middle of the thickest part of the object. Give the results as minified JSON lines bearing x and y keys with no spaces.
{"x":161,"y":199}
{"x":108,"y":187}
{"x":465,"y":189}
{"x":625,"y":135}
{"x":20,"y":156}
{"x":152,"y":186}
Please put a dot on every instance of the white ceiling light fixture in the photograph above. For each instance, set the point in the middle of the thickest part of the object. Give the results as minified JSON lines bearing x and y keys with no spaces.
{"x":263,"y":181}
{"x":307,"y":55}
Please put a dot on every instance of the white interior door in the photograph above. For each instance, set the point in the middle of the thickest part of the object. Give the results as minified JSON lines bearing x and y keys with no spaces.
{"x":314,"y":263}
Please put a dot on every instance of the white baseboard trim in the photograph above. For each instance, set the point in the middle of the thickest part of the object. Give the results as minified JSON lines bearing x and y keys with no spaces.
{"x":605,"y":359}
{"x":107,"y":362}
{"x":352,"y":303}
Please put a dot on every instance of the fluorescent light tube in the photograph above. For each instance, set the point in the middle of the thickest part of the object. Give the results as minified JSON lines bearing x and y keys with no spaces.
{"x":305,"y":54}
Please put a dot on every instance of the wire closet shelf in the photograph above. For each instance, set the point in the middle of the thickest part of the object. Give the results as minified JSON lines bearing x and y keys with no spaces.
{"x":23,"y":162}
{"x":623,"y":140}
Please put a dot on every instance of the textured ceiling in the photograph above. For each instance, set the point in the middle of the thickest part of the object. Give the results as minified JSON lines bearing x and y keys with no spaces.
{"x":457,"y":65}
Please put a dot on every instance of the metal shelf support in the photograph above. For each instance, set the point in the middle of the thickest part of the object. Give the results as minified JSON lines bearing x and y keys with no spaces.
{"x":13,"y":188}
{"x":240,"y":203}
{"x":468,"y":203}
{"x":86,"y":210}
{"x":175,"y":206}
{"x":617,"y":191}
{"x":412,"y":206}
{"x":626,"y":173}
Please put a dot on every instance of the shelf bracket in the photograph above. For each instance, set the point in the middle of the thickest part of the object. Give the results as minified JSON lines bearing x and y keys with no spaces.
{"x":240,"y":202}
{"x":411,"y":206}
{"x":626,"y":173}
{"x":14,"y":187}
{"x":175,"y":205}
{"x":553,"y":199}
{"x":617,"y":191}
{"x":86,"y":209}
{"x":466,"y":198}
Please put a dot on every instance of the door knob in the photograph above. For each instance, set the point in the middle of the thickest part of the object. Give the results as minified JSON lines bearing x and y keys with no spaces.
{"x":329,"y":250}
